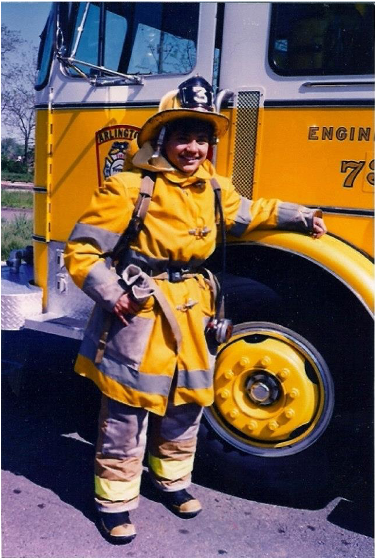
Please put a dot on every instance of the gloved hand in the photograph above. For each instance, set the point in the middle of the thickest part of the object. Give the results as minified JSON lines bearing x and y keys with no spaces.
{"x":319,"y":227}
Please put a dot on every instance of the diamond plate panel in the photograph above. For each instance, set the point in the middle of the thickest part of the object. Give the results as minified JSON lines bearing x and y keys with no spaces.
{"x":19,"y":298}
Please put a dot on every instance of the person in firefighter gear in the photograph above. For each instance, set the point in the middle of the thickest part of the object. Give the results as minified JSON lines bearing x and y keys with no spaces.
{"x":146,"y":345}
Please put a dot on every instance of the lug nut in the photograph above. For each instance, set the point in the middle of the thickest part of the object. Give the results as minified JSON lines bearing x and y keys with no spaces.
{"x":289,"y":413}
{"x":229,"y":374}
{"x":273,"y":425}
{"x":244,"y":361}
{"x":294,"y":393}
{"x":234,"y":413}
{"x":225,"y":394}
{"x":252,"y":425}
{"x":265,"y":361}
{"x":283,"y":374}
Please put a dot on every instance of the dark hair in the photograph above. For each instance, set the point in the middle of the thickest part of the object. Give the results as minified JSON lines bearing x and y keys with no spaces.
{"x":190,"y":125}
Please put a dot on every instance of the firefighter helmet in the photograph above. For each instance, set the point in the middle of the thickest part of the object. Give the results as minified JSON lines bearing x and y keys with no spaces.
{"x":193,"y":99}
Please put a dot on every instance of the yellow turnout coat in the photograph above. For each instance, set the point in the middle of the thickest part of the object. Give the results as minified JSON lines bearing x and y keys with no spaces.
{"x":140,"y":359}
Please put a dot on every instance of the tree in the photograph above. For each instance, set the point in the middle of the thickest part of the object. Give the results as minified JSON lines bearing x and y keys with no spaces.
{"x":10,"y":42}
{"x":17,"y":82}
{"x":10,"y":148}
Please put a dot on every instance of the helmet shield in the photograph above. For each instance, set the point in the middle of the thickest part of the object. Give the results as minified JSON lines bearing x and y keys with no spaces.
{"x":196,"y":93}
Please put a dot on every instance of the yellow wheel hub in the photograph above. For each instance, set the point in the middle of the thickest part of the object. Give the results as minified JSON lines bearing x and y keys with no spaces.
{"x":262,"y":390}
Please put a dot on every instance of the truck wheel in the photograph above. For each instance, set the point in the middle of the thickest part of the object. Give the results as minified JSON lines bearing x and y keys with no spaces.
{"x":274,"y":394}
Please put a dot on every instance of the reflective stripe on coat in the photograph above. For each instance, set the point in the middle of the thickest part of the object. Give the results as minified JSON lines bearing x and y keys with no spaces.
{"x":179,"y":229}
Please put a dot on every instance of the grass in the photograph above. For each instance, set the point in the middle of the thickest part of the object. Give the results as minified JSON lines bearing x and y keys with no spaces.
{"x":17,"y":176}
{"x":21,"y":200}
{"x":15,"y":234}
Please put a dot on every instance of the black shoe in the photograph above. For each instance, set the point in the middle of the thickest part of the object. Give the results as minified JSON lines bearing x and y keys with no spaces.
{"x":116,"y":528}
{"x":181,"y":503}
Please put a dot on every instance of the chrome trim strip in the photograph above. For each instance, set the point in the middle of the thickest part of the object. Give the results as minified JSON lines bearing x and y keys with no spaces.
{"x":353,"y":211}
{"x":336,"y":83}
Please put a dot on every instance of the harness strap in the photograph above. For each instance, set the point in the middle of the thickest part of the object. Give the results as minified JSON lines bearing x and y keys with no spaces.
{"x":138,"y":216}
{"x":103,"y":338}
{"x":220,"y":312}
{"x":166,"y":309}
{"x":142,"y":204}
{"x":215,"y":287}
{"x":217,"y":197}
{"x":166,"y":276}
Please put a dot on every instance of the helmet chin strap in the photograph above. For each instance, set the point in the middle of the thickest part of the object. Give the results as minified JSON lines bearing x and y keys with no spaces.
{"x":156,"y":157}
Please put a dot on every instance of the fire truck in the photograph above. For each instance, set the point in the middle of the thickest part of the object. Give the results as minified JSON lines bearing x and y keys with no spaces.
{"x":296,"y":81}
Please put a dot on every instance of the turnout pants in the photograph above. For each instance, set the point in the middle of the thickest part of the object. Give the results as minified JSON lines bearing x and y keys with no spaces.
{"x":121,"y":448}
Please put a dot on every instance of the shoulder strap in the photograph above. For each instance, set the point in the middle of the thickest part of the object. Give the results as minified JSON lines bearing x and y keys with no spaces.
{"x":220,"y":301}
{"x":138,"y":216}
{"x":217,"y":197}
{"x":144,"y":197}
{"x":130,"y":233}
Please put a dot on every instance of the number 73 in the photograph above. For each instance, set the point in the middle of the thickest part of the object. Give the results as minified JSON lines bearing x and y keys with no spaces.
{"x":354,"y":168}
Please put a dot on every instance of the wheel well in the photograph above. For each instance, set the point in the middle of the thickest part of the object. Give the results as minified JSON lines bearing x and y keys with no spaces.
{"x":266,"y":284}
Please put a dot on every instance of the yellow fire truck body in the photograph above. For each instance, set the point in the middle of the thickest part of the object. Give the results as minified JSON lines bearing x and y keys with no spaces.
{"x":296,"y":81}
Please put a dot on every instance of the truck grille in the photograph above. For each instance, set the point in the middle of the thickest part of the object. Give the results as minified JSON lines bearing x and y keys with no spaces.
{"x":245,"y":141}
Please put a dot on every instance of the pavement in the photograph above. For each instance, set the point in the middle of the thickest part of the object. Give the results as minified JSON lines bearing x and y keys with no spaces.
{"x":49,"y":419}
{"x":38,"y":522}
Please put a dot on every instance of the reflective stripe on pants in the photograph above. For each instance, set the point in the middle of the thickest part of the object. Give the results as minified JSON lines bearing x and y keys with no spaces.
{"x":121,"y":448}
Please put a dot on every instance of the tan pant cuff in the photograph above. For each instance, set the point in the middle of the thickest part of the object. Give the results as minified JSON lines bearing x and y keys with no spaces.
{"x":115,"y":507}
{"x":171,"y":486}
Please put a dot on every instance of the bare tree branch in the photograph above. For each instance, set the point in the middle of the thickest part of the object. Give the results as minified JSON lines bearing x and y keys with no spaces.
{"x":10,"y":40}
{"x":17,"y":82}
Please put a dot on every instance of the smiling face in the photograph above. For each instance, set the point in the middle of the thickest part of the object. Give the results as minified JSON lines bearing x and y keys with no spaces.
{"x":187,"y":147}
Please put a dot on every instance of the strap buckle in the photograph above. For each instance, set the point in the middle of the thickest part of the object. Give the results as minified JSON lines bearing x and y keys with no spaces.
{"x":175,"y":275}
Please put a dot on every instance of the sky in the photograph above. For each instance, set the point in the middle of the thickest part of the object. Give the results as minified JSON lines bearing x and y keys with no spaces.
{"x":27,"y":17}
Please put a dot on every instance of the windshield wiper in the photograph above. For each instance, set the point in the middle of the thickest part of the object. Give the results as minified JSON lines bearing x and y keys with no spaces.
{"x":114,"y":78}
{"x":118,"y":79}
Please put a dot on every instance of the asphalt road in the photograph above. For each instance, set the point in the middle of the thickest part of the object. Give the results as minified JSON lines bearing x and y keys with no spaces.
{"x":48,"y":432}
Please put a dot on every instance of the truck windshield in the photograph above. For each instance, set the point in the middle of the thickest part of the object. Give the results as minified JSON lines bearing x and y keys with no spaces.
{"x":134,"y":37}
{"x":45,"y":52}
{"x":320,"y":38}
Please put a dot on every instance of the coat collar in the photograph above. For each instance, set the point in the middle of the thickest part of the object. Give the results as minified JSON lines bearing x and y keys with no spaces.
{"x":142,"y":157}
{"x":141,"y":161}
{"x":203,"y":173}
